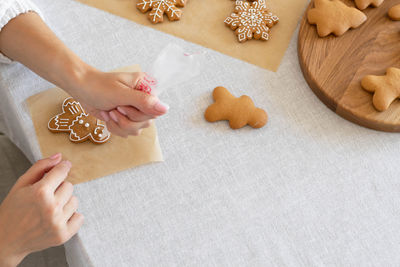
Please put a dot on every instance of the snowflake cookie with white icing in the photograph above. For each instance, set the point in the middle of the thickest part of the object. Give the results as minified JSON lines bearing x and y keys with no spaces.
{"x":160,"y":7}
{"x":251,"y":20}
{"x":81,"y":126}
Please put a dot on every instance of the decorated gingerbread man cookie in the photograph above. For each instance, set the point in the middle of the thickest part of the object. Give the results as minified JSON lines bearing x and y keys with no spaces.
{"x":363,"y":4}
{"x":160,"y":7}
{"x":80,"y":125}
{"x":385,"y":88}
{"x":251,"y":20}
{"x":239,"y":111}
{"x":86,"y":127}
{"x":333,"y":16}
{"x":61,"y":122}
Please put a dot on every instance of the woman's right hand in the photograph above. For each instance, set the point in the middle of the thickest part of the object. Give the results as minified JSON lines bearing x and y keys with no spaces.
{"x":39,"y":212}
{"x":115,"y":98}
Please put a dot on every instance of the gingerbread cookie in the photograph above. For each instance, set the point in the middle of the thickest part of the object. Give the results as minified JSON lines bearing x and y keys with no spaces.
{"x":80,"y":125}
{"x":251,"y":20}
{"x":239,"y":111}
{"x":61,"y":122}
{"x":334,"y":17}
{"x":160,"y":7}
{"x":363,"y":4}
{"x":394,"y":12}
{"x":385,"y":88}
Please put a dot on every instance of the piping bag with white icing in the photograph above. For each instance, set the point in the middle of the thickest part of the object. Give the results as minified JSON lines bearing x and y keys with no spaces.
{"x":172,"y":67}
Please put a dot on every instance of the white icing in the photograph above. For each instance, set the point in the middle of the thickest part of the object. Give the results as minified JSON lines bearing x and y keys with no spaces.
{"x":87,"y":125}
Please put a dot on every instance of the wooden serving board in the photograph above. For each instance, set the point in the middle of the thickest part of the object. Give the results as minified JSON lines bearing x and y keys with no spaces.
{"x":334,"y":66}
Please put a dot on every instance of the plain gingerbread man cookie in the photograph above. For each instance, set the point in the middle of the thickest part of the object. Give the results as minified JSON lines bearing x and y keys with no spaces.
{"x":334,"y":17}
{"x":394,"y":12}
{"x":363,"y":4}
{"x":385,"y":88}
{"x":239,"y":111}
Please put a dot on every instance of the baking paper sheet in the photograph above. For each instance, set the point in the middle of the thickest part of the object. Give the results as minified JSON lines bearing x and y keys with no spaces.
{"x":203,"y":23}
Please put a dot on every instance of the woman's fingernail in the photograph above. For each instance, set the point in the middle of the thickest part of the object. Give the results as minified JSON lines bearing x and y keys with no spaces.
{"x":68,"y":163}
{"x":161,"y":107}
{"x":104,"y":116}
{"x":121,"y":110}
{"x":55,"y":156}
{"x":113,"y":116}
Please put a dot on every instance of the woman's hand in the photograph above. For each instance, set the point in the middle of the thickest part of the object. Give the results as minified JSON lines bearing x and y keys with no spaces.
{"x":113,"y":98}
{"x":109,"y":96}
{"x":39,"y":211}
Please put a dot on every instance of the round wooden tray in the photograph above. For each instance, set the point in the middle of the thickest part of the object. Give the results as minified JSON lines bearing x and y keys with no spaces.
{"x":334,"y":66}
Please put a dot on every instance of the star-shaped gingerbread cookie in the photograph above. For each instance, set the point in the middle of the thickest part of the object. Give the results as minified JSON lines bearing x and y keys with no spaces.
{"x":160,"y":7}
{"x":385,"y":88}
{"x":333,"y":16}
{"x":251,"y":20}
{"x":363,"y":4}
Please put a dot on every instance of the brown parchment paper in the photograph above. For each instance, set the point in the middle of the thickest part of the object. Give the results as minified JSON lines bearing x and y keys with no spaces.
{"x":90,"y":161}
{"x":203,"y":23}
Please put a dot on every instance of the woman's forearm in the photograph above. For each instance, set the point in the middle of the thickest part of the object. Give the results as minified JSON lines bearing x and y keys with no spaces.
{"x":28,"y":40}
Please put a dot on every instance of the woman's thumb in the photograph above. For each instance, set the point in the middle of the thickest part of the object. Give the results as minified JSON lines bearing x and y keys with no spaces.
{"x":138,"y":96}
{"x":146,"y":103}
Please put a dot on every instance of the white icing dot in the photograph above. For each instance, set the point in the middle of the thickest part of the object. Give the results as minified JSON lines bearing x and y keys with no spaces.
{"x":100,"y":135}
{"x":87,"y":125}
{"x":80,"y":121}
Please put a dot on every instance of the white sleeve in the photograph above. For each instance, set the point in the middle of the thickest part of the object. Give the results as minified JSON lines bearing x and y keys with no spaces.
{"x":9,"y":9}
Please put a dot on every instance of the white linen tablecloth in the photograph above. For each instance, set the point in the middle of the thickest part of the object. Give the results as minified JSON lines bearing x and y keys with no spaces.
{"x":309,"y":189}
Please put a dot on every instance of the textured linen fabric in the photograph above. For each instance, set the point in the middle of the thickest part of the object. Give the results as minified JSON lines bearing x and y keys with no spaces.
{"x":2,"y":126}
{"x":9,"y":9}
{"x":309,"y":189}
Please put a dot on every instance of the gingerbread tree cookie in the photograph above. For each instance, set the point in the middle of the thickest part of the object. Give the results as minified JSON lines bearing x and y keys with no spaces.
{"x":385,"y":88}
{"x":251,"y":20}
{"x":239,"y":111}
{"x":363,"y":4}
{"x":160,"y":7}
{"x":394,"y":12}
{"x":334,"y":17}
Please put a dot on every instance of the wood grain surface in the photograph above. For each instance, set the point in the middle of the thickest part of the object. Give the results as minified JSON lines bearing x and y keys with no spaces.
{"x":334,"y":66}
